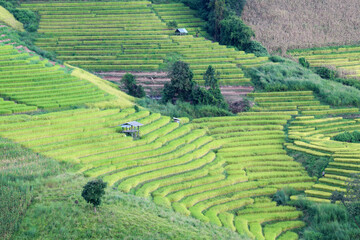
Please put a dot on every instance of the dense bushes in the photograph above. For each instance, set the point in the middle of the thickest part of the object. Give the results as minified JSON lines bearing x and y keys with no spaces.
{"x":235,"y":32}
{"x":25,"y":16}
{"x":182,"y":87}
{"x":292,"y":76}
{"x":326,"y":73}
{"x":353,"y":137}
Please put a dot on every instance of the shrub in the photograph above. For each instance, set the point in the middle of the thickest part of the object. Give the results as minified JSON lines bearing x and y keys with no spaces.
{"x":93,"y":191}
{"x":276,"y":59}
{"x":327,"y":221}
{"x":235,"y":32}
{"x":28,"y":18}
{"x":303,"y":62}
{"x":326,"y":73}
{"x":172,"y":24}
{"x":256,"y":48}
{"x":353,"y":137}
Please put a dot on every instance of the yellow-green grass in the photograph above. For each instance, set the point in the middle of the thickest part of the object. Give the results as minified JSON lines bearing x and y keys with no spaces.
{"x":31,"y":81}
{"x":7,"y":18}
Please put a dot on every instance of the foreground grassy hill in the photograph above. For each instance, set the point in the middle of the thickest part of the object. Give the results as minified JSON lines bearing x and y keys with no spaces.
{"x":286,"y":24}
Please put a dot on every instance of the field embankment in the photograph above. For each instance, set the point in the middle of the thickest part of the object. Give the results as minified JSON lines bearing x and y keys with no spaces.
{"x":286,"y":24}
{"x":7,"y":18}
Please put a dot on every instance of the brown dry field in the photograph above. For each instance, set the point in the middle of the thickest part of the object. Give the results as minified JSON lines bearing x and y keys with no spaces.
{"x":290,"y":24}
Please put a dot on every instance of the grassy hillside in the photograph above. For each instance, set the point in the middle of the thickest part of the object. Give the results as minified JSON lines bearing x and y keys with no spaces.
{"x":286,"y":24}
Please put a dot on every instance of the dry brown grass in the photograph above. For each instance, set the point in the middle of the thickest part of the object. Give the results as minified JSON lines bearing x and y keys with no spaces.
{"x":289,"y":24}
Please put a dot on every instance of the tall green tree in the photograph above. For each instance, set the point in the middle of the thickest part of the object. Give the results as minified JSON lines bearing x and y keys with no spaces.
{"x":132,"y":88}
{"x":217,"y":14}
{"x":235,"y":32}
{"x":211,"y":77}
{"x":181,"y":84}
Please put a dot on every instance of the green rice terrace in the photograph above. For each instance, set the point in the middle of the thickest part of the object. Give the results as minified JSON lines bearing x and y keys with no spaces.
{"x":268,"y":171}
{"x":345,"y":58}
{"x":133,"y":36}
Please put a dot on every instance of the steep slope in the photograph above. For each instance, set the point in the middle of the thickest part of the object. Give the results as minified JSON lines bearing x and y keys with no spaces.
{"x":8,"y":19}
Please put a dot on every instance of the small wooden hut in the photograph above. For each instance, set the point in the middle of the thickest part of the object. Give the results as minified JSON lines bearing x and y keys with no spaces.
{"x":132,"y":128}
{"x":181,"y":31}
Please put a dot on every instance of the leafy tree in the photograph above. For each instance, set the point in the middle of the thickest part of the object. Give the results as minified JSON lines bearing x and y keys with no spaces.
{"x":130,"y":84}
{"x":181,"y":84}
{"x":211,"y":78}
{"x":303,"y":62}
{"x":350,"y":199}
{"x":172,"y":24}
{"x":93,"y":191}
{"x":235,"y":32}
{"x":326,"y":73}
{"x":217,"y":14}
{"x":256,"y":48}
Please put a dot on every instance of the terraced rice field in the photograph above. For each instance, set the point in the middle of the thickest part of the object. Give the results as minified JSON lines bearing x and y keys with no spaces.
{"x":297,"y":102}
{"x":345,"y":58}
{"x":107,"y":36}
{"x":175,"y":165}
{"x":103,"y":35}
{"x":313,"y":135}
{"x":183,"y":15}
{"x":311,"y":131}
{"x":29,"y":80}
{"x":9,"y":107}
